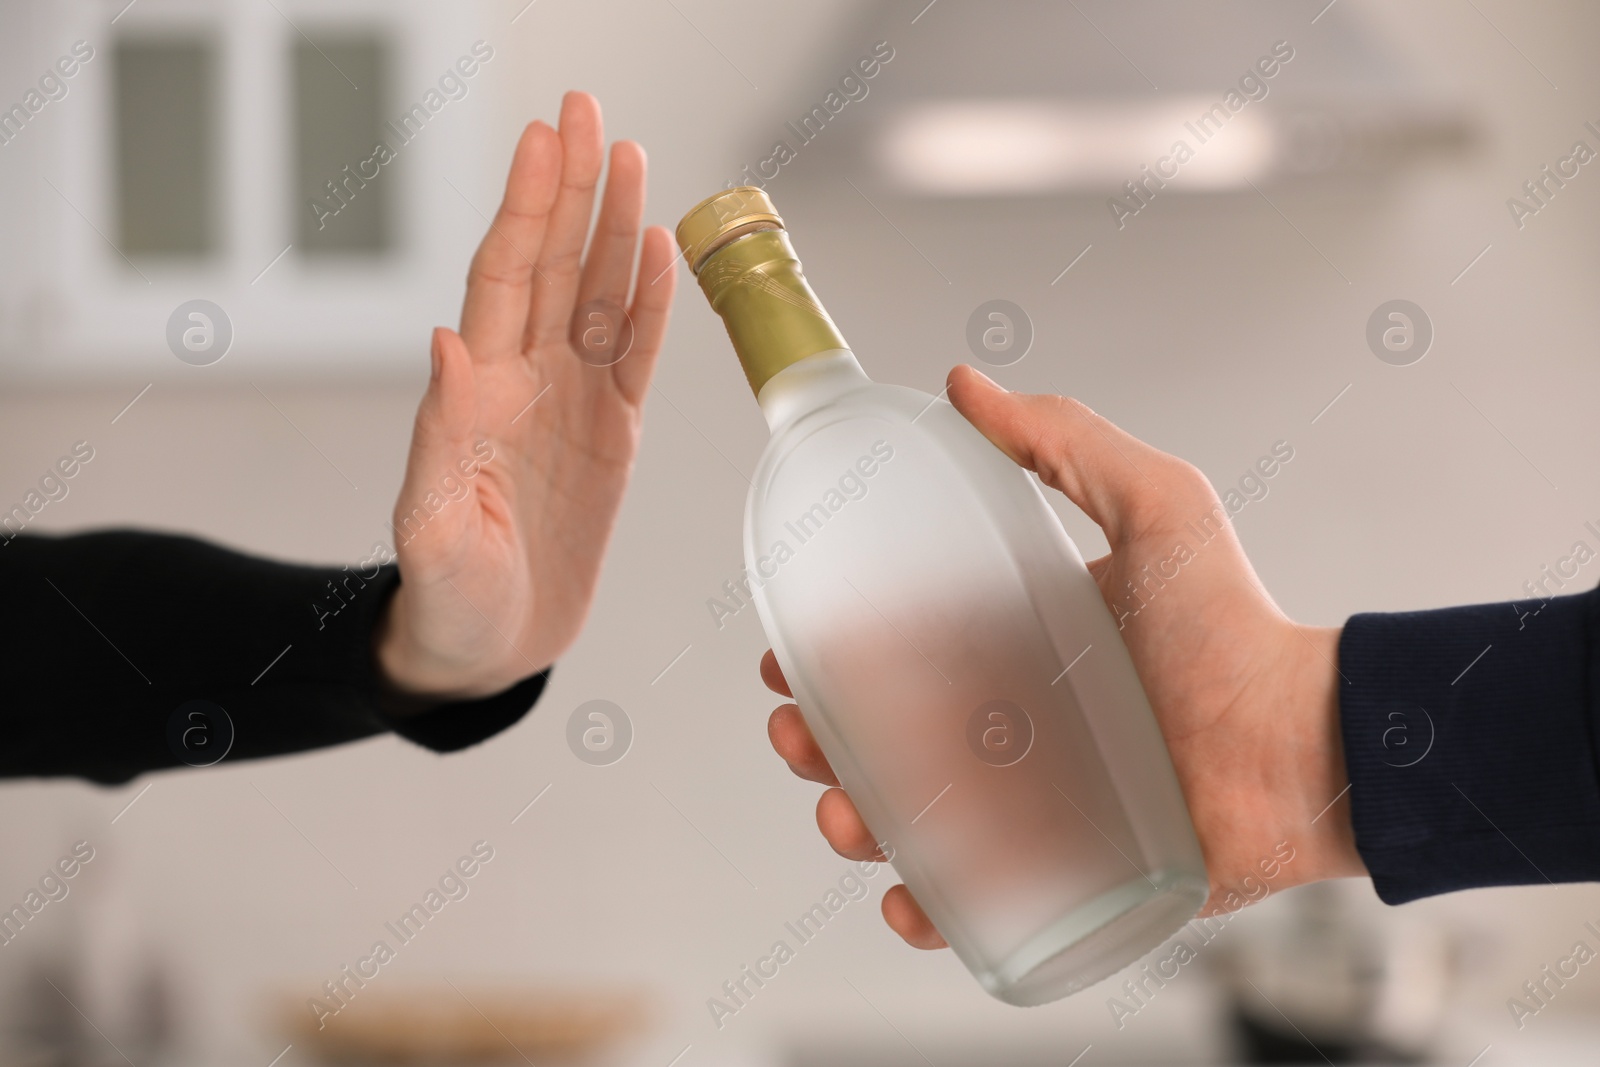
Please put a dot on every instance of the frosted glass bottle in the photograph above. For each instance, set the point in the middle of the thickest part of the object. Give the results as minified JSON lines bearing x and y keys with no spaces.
{"x":947,"y":647}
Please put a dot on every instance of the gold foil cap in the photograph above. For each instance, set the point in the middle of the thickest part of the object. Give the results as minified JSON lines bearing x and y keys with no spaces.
{"x":721,"y":218}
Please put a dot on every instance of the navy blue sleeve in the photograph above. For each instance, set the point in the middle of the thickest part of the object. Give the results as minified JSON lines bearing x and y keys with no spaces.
{"x":108,"y":635}
{"x":1469,"y":736}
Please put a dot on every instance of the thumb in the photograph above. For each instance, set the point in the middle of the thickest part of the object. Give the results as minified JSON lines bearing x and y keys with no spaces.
{"x":1112,"y":476}
{"x":445,"y":420}
{"x":445,"y":417}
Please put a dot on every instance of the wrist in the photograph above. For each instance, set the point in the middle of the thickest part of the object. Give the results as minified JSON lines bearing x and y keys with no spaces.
{"x":1321,"y":806}
{"x":409,"y":679}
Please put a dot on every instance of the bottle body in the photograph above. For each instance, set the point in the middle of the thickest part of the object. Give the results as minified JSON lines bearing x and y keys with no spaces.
{"x":960,"y":670}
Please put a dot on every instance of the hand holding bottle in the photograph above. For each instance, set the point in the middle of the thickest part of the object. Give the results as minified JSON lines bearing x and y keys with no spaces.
{"x":1246,"y":698}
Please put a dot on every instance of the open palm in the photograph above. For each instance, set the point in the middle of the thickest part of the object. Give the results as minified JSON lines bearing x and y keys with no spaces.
{"x":527,"y":434}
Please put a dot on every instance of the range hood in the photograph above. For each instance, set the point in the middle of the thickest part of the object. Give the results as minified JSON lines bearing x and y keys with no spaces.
{"x":1042,"y":97}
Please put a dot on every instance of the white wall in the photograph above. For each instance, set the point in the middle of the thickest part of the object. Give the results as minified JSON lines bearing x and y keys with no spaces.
{"x":1210,"y":328}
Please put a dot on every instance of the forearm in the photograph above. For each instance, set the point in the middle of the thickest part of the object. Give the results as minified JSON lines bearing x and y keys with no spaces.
{"x":1469,"y":740}
{"x":110,"y":633}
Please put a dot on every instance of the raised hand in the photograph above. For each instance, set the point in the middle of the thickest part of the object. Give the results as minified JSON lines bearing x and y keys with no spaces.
{"x":1245,"y":697}
{"x":524,"y":442}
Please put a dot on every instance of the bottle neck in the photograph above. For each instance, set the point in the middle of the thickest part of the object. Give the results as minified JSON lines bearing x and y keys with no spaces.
{"x":808,"y":384}
{"x":773,"y":318}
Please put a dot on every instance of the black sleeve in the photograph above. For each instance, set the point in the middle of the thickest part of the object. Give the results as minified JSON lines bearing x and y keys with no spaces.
{"x":108,"y":634}
{"x":1469,"y":734}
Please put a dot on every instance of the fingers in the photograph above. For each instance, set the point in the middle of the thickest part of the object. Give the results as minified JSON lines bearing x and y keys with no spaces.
{"x":772,"y":674}
{"x":501,"y":280}
{"x":841,"y":824}
{"x":1116,"y":479}
{"x":652,"y":305}
{"x":561,"y":256}
{"x":843,"y":828}
{"x":791,"y":738}
{"x":906,"y":918}
{"x":608,"y":268}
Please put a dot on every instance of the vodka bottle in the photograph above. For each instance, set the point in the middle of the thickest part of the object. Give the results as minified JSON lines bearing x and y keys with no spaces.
{"x":946,"y":645}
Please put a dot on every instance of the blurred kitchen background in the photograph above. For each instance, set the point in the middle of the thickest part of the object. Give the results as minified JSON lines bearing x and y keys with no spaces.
{"x":1215,"y":315}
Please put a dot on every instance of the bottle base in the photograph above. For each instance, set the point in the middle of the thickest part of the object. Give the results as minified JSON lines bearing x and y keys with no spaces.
{"x":1098,"y":939}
